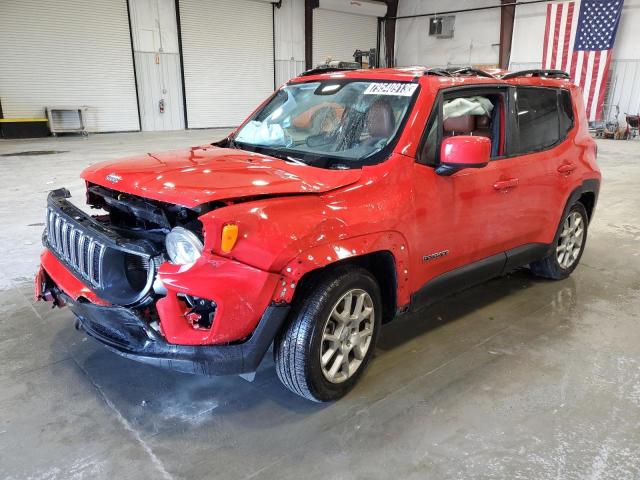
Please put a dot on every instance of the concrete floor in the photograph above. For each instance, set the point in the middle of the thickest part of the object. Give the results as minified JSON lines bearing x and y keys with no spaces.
{"x":518,"y":378}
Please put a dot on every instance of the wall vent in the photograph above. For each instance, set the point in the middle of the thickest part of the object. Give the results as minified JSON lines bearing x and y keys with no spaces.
{"x":441,"y":27}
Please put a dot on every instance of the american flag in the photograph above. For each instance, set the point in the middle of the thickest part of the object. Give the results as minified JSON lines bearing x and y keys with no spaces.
{"x":578,"y":38}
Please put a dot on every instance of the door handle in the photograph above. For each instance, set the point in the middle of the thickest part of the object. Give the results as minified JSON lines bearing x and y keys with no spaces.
{"x":504,"y":185}
{"x":567,"y":168}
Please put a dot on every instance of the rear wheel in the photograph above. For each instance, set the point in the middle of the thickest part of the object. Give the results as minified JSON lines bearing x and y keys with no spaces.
{"x":567,"y":251}
{"x":331,"y":337}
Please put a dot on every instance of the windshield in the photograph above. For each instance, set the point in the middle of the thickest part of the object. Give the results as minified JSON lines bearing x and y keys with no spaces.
{"x":329,"y":124}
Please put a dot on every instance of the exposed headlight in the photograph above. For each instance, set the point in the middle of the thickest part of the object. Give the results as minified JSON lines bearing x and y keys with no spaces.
{"x":183,"y":246}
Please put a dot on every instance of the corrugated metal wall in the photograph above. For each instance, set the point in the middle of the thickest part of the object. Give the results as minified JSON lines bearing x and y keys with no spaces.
{"x":75,"y":52}
{"x":337,"y":35}
{"x":625,"y":86}
{"x":228,"y":62}
{"x":289,"y":30}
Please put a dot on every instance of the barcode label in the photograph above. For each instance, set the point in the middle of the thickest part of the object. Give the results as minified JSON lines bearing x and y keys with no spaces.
{"x":398,"y":89}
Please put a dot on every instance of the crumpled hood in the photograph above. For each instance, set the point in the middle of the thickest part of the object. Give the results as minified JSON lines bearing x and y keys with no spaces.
{"x":204,"y":174}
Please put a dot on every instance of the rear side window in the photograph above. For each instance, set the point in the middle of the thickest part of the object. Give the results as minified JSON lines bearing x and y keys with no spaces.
{"x":565,"y":109}
{"x":538,"y":118}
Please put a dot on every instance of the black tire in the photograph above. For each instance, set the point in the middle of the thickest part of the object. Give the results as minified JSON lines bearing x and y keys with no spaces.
{"x":549,"y":266}
{"x":297,"y":347}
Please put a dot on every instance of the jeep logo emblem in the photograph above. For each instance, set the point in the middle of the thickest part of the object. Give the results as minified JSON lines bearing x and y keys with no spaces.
{"x":113,"y":177}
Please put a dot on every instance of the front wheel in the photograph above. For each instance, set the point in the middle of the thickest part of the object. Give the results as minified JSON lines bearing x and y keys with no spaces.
{"x":568,"y":248}
{"x":327,"y":345}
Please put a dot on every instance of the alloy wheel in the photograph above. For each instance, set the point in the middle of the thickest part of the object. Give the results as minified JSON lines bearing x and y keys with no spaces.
{"x":570,"y":241}
{"x":347,"y":335}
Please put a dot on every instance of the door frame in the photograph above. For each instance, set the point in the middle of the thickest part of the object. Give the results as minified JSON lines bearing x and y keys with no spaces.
{"x":479,"y":270}
{"x":508,"y":118}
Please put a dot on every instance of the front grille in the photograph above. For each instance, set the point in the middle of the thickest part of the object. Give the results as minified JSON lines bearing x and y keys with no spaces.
{"x":81,"y":252}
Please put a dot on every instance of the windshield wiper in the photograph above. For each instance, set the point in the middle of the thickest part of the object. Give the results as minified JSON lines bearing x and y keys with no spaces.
{"x":282,"y":155}
{"x":297,"y":161}
{"x":271,"y":151}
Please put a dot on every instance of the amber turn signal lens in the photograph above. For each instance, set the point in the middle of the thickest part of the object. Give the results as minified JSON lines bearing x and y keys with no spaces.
{"x":229,"y":237}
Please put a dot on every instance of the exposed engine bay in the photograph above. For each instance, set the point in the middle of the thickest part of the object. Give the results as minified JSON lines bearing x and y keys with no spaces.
{"x":139,"y":217}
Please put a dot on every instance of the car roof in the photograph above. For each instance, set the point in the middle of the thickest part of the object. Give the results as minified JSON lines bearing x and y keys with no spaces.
{"x":398,"y":74}
{"x":436,"y":78}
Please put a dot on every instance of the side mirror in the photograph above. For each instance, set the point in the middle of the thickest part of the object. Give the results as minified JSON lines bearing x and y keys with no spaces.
{"x":463,"y":151}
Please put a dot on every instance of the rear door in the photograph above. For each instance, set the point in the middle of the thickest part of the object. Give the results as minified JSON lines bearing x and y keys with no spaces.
{"x":536,"y":158}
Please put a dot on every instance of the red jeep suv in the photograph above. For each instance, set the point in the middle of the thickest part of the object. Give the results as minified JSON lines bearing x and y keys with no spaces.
{"x":345,"y":199}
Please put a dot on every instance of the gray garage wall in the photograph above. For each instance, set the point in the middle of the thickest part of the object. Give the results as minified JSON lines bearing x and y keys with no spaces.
{"x":475,"y":40}
{"x":75,"y":52}
{"x":624,"y":75}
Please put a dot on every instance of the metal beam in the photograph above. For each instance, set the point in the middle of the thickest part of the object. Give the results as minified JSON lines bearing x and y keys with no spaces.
{"x":390,"y":32}
{"x":507,"y":14}
{"x":309,"y":5}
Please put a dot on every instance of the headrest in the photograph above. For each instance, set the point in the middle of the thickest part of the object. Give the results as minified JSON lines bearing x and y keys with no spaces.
{"x":462,"y":125}
{"x":380,"y":120}
{"x":483,"y":121}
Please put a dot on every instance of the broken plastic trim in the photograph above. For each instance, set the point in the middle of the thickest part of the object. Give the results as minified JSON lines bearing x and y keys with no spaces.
{"x":469,"y":71}
{"x":319,"y":70}
{"x":438,"y":72}
{"x":537,"y":73}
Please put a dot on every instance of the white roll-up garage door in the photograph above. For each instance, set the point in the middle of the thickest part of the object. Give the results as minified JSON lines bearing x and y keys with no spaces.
{"x":68,"y":52}
{"x":336,"y":35}
{"x":227,"y":51}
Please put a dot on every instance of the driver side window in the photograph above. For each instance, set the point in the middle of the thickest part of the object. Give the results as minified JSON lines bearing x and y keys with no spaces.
{"x":464,"y":114}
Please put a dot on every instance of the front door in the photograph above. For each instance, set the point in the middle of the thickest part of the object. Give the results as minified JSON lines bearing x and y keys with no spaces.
{"x":157,"y":64}
{"x":463,"y":222}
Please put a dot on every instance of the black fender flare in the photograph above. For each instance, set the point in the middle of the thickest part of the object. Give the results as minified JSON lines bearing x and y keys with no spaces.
{"x":591,"y":185}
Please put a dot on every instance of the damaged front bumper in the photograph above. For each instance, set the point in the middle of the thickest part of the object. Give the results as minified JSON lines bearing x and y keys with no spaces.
{"x":161,"y":330}
{"x":124,"y":332}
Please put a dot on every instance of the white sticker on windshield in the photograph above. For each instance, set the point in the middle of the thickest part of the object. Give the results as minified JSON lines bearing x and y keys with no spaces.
{"x":399,"y":89}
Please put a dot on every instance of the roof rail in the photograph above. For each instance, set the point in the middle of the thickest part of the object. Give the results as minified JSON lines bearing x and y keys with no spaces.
{"x":537,"y":73}
{"x":469,"y":71}
{"x":440,"y":72}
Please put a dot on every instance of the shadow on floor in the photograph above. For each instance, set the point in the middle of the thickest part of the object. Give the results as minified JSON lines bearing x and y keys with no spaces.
{"x":155,"y":399}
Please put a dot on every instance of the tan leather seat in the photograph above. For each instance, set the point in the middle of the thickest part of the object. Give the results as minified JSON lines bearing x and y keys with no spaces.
{"x":483,"y":126}
{"x":463,"y":125}
{"x":380,"y":121}
{"x":477,"y":125}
